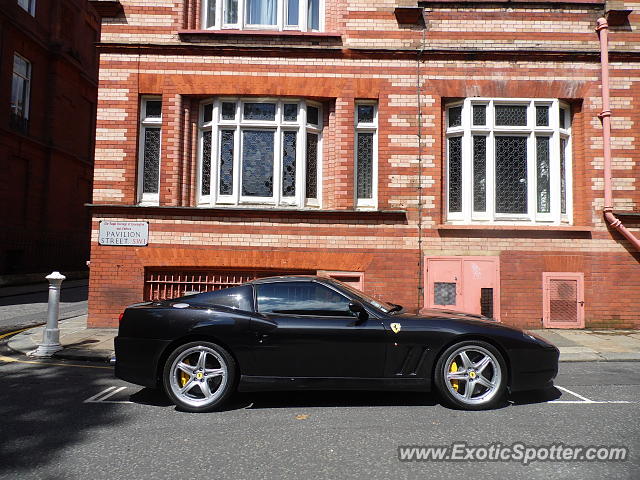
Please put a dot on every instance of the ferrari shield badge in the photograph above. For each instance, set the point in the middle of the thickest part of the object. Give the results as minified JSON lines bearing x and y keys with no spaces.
{"x":395,"y":327}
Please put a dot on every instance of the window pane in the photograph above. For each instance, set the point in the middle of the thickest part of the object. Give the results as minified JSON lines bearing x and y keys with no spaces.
{"x":455,"y":174}
{"x":257,"y":163}
{"x":226,"y":161}
{"x":207,"y":113}
{"x":314,"y":15}
{"x":563,"y":175}
{"x":365,"y":113}
{"x":290,"y":112}
{"x":312,"y":115}
{"x":206,"y":163}
{"x":289,"y":164}
{"x":20,"y":66}
{"x":293,"y":12}
{"x":235,"y":297}
{"x":542,"y":116}
{"x":231,"y":11}
{"x":455,"y":116}
{"x":228,"y":111}
{"x":511,"y":174}
{"x":479,"y":173}
{"x":479,"y":114}
{"x":18,"y":88}
{"x":312,"y":165}
{"x":301,"y":298}
{"x":542,"y":175}
{"x":211,"y":13}
{"x":364,"y":165}
{"x":151,"y":160}
{"x":261,"y":12}
{"x":511,"y":115}
{"x":444,"y":293}
{"x":563,"y":118}
{"x":153,"y":109}
{"x":260,"y":111}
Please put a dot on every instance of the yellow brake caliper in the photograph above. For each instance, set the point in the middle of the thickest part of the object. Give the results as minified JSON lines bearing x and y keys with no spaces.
{"x":453,"y":369}
{"x":184,"y":377}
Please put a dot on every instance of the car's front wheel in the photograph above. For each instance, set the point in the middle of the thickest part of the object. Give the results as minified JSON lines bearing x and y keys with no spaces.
{"x":199,"y":376}
{"x":471,"y":375}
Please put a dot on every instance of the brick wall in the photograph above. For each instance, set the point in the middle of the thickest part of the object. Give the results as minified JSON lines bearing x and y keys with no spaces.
{"x":527,"y":51}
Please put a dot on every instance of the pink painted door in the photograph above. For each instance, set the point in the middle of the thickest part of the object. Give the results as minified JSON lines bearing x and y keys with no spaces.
{"x":465,"y":284}
{"x":563,"y":298}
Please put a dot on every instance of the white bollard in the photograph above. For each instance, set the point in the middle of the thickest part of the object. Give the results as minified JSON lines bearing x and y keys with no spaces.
{"x":51,"y":337}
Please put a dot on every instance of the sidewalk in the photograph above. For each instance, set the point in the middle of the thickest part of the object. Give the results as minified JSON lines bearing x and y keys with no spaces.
{"x":81,"y":343}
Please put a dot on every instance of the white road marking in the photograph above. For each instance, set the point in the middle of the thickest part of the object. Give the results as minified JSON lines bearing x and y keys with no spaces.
{"x":583,"y":400}
{"x":107,"y":393}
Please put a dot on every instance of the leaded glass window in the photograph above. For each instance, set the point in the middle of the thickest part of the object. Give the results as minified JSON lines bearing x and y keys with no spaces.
{"x":365,"y":154}
{"x":227,"y":139}
{"x":455,"y":174}
{"x":479,"y":114}
{"x":511,"y":174}
{"x":260,"y":111}
{"x":150,"y":148}
{"x":289,"y":164}
{"x":511,"y":115}
{"x":205,"y":187}
{"x":265,"y":156}
{"x":543,"y":177}
{"x":479,"y":173}
{"x":151,"y":166}
{"x":508,"y":161}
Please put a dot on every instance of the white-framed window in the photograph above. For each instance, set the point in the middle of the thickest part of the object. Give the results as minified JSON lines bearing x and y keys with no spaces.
{"x":149,"y":150}
{"x":20,"y":89}
{"x":28,"y":6}
{"x":508,"y":161}
{"x":366,"y":154}
{"x":303,"y":15}
{"x":260,"y":152}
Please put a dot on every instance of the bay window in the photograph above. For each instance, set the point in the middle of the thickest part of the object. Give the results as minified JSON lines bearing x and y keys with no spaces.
{"x":303,"y":15}
{"x":508,"y":161}
{"x":259,"y":152}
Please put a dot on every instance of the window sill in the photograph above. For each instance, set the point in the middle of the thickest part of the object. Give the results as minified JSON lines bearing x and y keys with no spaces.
{"x":264,"y":33}
{"x":303,"y":214}
{"x":553,"y":228}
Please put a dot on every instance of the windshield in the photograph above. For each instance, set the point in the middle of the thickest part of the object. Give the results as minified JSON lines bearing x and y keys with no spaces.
{"x":384,"y":306}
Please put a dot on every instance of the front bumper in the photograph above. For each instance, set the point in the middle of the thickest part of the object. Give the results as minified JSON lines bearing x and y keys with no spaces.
{"x":533,"y":368}
{"x":137,"y":359}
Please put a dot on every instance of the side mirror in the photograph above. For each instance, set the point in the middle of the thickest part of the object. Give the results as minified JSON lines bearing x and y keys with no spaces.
{"x":358,"y":309}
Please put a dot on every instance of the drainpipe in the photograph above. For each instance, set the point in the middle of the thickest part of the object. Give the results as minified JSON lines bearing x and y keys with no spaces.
{"x":605,"y":116}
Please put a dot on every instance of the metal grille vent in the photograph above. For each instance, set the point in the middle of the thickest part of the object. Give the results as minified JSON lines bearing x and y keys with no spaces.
{"x":563,"y":299}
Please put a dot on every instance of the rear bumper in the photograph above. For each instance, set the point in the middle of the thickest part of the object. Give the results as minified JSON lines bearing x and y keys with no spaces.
{"x":137,"y":359}
{"x":533,"y":369}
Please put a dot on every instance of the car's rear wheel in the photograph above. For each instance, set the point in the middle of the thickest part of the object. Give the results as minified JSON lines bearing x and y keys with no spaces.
{"x":471,"y":375}
{"x":199,"y":376}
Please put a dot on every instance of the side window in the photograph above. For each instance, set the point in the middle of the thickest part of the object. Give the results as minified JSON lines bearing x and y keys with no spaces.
{"x":298,"y":298}
{"x":235,"y":297}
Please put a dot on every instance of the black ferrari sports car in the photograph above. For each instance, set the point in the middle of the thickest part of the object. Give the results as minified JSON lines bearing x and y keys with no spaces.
{"x":306,"y":332}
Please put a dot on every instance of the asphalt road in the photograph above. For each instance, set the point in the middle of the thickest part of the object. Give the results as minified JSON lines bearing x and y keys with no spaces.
{"x":22,"y":307}
{"x":60,"y":421}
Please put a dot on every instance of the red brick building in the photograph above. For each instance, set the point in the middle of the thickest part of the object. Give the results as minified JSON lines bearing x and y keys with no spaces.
{"x":48,"y":92}
{"x":434,"y":154}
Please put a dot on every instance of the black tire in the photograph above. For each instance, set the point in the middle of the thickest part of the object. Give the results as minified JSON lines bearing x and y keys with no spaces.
{"x":473,"y":386}
{"x":197,"y":383}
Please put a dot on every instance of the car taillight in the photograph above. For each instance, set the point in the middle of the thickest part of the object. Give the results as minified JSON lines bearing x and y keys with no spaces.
{"x":120,"y":317}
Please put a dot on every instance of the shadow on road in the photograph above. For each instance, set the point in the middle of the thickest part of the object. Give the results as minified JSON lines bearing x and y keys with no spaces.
{"x":42,"y":414}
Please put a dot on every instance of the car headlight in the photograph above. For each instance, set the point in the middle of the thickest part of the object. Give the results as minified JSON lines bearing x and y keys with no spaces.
{"x":536,"y":338}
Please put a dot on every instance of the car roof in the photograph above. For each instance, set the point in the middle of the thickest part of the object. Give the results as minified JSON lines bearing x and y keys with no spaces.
{"x":287,"y":278}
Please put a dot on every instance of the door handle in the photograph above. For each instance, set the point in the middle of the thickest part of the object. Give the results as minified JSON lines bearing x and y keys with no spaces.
{"x":581,"y":303}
